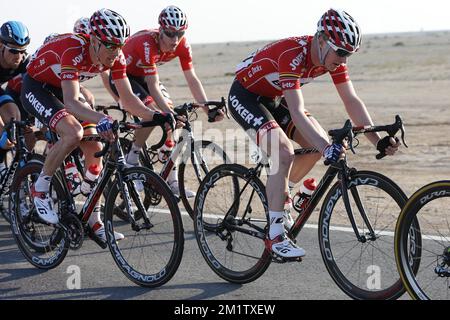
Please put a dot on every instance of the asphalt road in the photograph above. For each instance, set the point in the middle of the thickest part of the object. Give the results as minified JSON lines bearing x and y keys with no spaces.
{"x":101,"y":279}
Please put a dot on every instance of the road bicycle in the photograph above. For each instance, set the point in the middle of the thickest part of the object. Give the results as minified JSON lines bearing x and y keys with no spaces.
{"x":423,"y":254}
{"x":21,"y":156}
{"x":153,"y":246}
{"x":356,"y":222}
{"x":194,"y":158}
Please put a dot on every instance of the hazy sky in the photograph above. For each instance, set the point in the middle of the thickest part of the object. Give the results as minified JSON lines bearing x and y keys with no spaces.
{"x":234,"y":20}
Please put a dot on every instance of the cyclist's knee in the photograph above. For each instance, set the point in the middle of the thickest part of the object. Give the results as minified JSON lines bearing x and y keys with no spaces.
{"x":286,"y":153}
{"x":8,"y":111}
{"x":70,"y":132}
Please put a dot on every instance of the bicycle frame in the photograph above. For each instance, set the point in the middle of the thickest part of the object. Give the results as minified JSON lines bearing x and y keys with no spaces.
{"x":339,"y":169}
{"x":20,"y":157}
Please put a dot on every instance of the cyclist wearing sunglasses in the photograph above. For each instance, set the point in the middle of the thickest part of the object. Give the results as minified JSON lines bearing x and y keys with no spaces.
{"x":267,"y":101}
{"x":14,"y":39}
{"x":146,"y":50}
{"x":51,"y":92}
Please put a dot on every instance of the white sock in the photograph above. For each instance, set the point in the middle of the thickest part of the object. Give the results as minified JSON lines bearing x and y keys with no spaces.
{"x":173,"y":176}
{"x":133,"y":155}
{"x":276,"y":227}
{"x":95,"y":216}
{"x":292,"y":185}
{"x":43,"y":183}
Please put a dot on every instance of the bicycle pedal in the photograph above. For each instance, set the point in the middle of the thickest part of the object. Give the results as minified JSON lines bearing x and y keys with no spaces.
{"x":97,"y":240}
{"x":278,"y":259}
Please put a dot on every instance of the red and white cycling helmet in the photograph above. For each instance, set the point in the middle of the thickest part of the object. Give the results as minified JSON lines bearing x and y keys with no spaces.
{"x":172,"y":18}
{"x":109,"y":26}
{"x":341,"y":30}
{"x":82,"y":26}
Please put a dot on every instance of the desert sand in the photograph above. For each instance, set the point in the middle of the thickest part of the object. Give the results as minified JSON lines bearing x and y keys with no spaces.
{"x":406,"y":74}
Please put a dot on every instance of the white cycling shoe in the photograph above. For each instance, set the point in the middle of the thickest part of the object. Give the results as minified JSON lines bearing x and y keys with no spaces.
{"x":99,"y":230}
{"x":175,"y":188}
{"x":44,"y":206}
{"x":284,"y":247}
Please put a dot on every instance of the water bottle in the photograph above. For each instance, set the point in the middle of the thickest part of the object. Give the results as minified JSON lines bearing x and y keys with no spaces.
{"x":301,"y":199}
{"x":73,"y":178}
{"x":165,"y":151}
{"x":90,"y":179}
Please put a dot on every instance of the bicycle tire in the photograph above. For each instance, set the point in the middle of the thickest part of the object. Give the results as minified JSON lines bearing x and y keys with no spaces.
{"x":377,"y":188}
{"x":171,"y":225}
{"x":45,"y":247}
{"x":432,"y":238}
{"x":210,"y":233}
{"x":201,"y":170}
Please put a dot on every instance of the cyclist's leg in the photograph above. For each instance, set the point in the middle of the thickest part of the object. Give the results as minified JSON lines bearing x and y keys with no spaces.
{"x":252,"y":116}
{"x":30,"y":139}
{"x":141,"y":135}
{"x":48,"y":109}
{"x":302,"y":163}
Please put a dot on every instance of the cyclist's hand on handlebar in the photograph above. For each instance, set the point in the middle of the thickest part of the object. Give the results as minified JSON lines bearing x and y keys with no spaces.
{"x":333,"y":153}
{"x":388,"y":145}
{"x":216,"y":115}
{"x":181,"y":121}
{"x":104,"y":128}
{"x":166,"y":119}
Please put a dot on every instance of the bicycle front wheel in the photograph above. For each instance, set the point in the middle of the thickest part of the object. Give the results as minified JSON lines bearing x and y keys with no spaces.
{"x":426,"y":275}
{"x":363,"y":268}
{"x":230,"y":223}
{"x":151,"y":252}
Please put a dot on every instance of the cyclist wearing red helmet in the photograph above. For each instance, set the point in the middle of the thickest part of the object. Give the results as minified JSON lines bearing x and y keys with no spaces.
{"x":146,"y":50}
{"x":51,"y":92}
{"x":266,"y":99}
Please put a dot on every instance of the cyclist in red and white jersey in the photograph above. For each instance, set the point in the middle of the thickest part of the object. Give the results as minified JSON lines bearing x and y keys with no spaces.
{"x":146,"y":50}
{"x":267,"y":101}
{"x":51,"y":91}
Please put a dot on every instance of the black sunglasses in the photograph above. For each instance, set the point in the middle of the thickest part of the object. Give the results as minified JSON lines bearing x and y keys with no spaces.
{"x":343,"y":53}
{"x":173,"y":34}
{"x":16,"y":51}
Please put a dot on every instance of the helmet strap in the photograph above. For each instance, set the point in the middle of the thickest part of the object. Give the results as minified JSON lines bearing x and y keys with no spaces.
{"x":322,"y":52}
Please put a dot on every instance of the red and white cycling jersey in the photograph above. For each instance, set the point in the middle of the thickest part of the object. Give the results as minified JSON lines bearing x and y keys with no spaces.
{"x":66,"y":57}
{"x":143,"y":55}
{"x":283,"y":65}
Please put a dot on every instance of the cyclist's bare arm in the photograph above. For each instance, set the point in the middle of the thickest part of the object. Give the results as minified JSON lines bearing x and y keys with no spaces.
{"x":196,"y":87}
{"x":87,"y":94}
{"x":71,"y":93}
{"x":294,"y":99}
{"x":105,"y":79}
{"x":130,"y":102}
{"x":356,"y":109}
{"x":156,"y":94}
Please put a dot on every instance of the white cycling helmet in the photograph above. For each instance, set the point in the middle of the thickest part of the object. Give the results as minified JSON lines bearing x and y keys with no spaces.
{"x":82,"y":26}
{"x":341,"y":30}
{"x":109,"y":26}
{"x":172,"y":18}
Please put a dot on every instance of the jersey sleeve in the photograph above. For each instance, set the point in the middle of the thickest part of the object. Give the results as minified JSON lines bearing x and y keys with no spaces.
{"x":290,"y":67}
{"x":340,"y":75}
{"x":119,"y":69}
{"x":185,"y":55}
{"x":69,"y":61}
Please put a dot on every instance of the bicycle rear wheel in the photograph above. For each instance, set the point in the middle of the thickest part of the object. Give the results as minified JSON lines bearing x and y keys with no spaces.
{"x":205,"y":156}
{"x":44,"y":246}
{"x":150,"y":254}
{"x":231,"y":223}
{"x":426,"y":275}
{"x":365,"y":268}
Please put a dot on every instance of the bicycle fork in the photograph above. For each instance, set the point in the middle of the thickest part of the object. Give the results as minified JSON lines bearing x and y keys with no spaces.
{"x":344,"y":177}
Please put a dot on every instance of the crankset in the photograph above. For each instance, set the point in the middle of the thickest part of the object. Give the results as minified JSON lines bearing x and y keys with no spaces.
{"x":74,"y":230}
